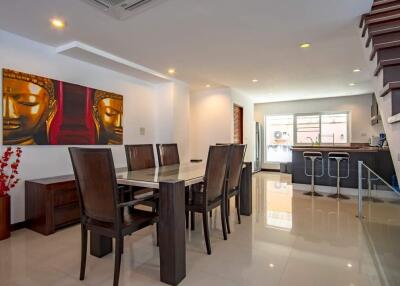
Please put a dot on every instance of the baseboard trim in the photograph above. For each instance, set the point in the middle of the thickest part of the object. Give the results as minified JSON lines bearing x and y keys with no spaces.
{"x":19,"y":225}
{"x":271,"y":170}
{"x":345,"y":191}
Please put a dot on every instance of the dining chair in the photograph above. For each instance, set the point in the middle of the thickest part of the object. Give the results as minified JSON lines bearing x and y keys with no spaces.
{"x":235,"y":168}
{"x":139,"y":157}
{"x":100,"y":210}
{"x":212,"y":192}
{"x":167,"y":154}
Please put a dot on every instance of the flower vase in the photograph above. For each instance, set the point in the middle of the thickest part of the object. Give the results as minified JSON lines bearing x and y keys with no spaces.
{"x":4,"y":217}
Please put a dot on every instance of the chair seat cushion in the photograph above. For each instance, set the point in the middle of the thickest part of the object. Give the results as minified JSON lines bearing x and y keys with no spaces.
{"x":197,"y":199}
{"x":132,"y":221}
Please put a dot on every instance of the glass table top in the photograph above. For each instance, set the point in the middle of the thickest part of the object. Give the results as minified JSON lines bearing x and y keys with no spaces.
{"x":191,"y":173}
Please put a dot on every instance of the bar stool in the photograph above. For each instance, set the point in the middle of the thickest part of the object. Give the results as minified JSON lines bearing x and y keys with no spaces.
{"x":313,"y":156}
{"x":338,"y":157}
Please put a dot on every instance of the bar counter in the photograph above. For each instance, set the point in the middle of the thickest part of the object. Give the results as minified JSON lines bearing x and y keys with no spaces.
{"x":379,"y":159}
{"x":340,"y":148}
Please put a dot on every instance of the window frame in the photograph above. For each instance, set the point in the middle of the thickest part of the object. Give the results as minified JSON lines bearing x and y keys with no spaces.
{"x":320,"y":114}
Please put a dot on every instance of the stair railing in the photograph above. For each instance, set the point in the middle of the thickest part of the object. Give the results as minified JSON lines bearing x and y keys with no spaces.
{"x":370,"y":172}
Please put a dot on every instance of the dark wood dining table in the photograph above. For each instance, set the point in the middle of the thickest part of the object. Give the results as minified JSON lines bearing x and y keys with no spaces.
{"x":171,"y":182}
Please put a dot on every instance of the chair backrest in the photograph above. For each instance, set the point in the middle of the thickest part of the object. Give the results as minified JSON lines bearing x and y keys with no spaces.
{"x":140,"y":157}
{"x":216,"y":171}
{"x":167,"y":154}
{"x":235,"y":166}
{"x":96,"y":182}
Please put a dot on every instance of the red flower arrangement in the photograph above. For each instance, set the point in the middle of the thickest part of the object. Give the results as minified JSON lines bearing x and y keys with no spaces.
{"x":9,"y":180}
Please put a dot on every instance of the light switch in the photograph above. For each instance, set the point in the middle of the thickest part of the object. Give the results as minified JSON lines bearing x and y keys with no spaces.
{"x":142,"y":131}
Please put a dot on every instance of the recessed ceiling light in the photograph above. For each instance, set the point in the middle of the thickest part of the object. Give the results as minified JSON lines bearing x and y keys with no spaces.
{"x":356,"y":70}
{"x":255,"y":80}
{"x":349,"y":265}
{"x":271,"y":265}
{"x":352,"y":84}
{"x":305,"y":45}
{"x":57,"y":23}
{"x":207,"y":85}
{"x":171,"y":71}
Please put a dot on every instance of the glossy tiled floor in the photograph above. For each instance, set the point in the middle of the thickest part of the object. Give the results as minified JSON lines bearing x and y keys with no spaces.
{"x":291,"y":239}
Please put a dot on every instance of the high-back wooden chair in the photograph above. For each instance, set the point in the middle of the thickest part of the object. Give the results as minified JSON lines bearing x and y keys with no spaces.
{"x":235,"y":168}
{"x":167,"y":154}
{"x":140,"y":157}
{"x":100,"y":209}
{"x":212,"y":193}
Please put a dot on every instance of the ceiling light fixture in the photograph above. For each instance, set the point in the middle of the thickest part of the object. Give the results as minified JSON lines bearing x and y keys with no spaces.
{"x":57,"y":23}
{"x":349,"y":265}
{"x":356,"y":70}
{"x":171,"y":71}
{"x":352,"y":84}
{"x":305,"y":45}
{"x":208,"y":86}
{"x":255,"y":80}
{"x":271,"y":265}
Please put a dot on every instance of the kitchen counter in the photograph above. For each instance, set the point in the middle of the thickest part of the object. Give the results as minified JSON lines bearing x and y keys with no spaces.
{"x":378,"y":159}
{"x":339,"y":148}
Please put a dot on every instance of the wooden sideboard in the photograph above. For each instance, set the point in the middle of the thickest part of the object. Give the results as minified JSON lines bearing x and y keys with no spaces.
{"x":51,"y":203}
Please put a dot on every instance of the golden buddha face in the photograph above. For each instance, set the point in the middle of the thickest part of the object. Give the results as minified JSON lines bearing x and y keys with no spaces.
{"x":110,"y":116}
{"x":25,"y":106}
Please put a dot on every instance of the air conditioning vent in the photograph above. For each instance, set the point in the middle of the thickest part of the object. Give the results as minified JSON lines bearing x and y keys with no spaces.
{"x":122,"y":9}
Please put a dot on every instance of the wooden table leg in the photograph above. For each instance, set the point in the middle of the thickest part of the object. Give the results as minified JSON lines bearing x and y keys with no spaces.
{"x":246,"y":190}
{"x":172,"y":232}
{"x":100,"y":245}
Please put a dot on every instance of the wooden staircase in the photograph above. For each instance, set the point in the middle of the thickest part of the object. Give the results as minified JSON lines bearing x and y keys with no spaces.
{"x":381,"y":30}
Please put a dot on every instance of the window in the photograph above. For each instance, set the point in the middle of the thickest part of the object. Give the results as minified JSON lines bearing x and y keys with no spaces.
{"x":307,"y":128}
{"x":324,"y":128}
{"x":334,"y":128}
{"x":278,"y":138}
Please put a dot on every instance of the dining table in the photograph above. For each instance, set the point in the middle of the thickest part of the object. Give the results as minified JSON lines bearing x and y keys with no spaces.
{"x":172,"y":182}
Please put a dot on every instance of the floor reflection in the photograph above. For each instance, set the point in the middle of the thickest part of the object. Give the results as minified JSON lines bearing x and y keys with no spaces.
{"x":290,"y":239}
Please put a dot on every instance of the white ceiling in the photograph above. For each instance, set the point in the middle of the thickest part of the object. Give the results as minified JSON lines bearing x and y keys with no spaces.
{"x":219,"y":42}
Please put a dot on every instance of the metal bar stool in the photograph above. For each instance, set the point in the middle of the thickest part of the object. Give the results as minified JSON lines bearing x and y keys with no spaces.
{"x":338,"y":157}
{"x":313,"y":156}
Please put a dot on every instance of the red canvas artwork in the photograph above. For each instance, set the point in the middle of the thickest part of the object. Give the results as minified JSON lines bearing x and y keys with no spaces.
{"x":43,"y":111}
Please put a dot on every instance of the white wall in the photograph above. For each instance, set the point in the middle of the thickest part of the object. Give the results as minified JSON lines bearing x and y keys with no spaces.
{"x":173,"y":117}
{"x":211,"y":114}
{"x":359,"y":107}
{"x":140,"y":108}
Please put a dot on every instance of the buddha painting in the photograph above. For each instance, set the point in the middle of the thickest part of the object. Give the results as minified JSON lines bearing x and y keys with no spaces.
{"x":29,"y":105}
{"x":107,"y":114}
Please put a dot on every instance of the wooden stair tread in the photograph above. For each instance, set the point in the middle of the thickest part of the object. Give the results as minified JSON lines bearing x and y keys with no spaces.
{"x":385,"y":63}
{"x":394,"y":119}
{"x":382,"y":46}
{"x":389,"y":87}
{"x":362,"y":20}
{"x":396,"y":5}
{"x":374,"y":19}
{"x":382,"y":2}
{"x":380,"y":32}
